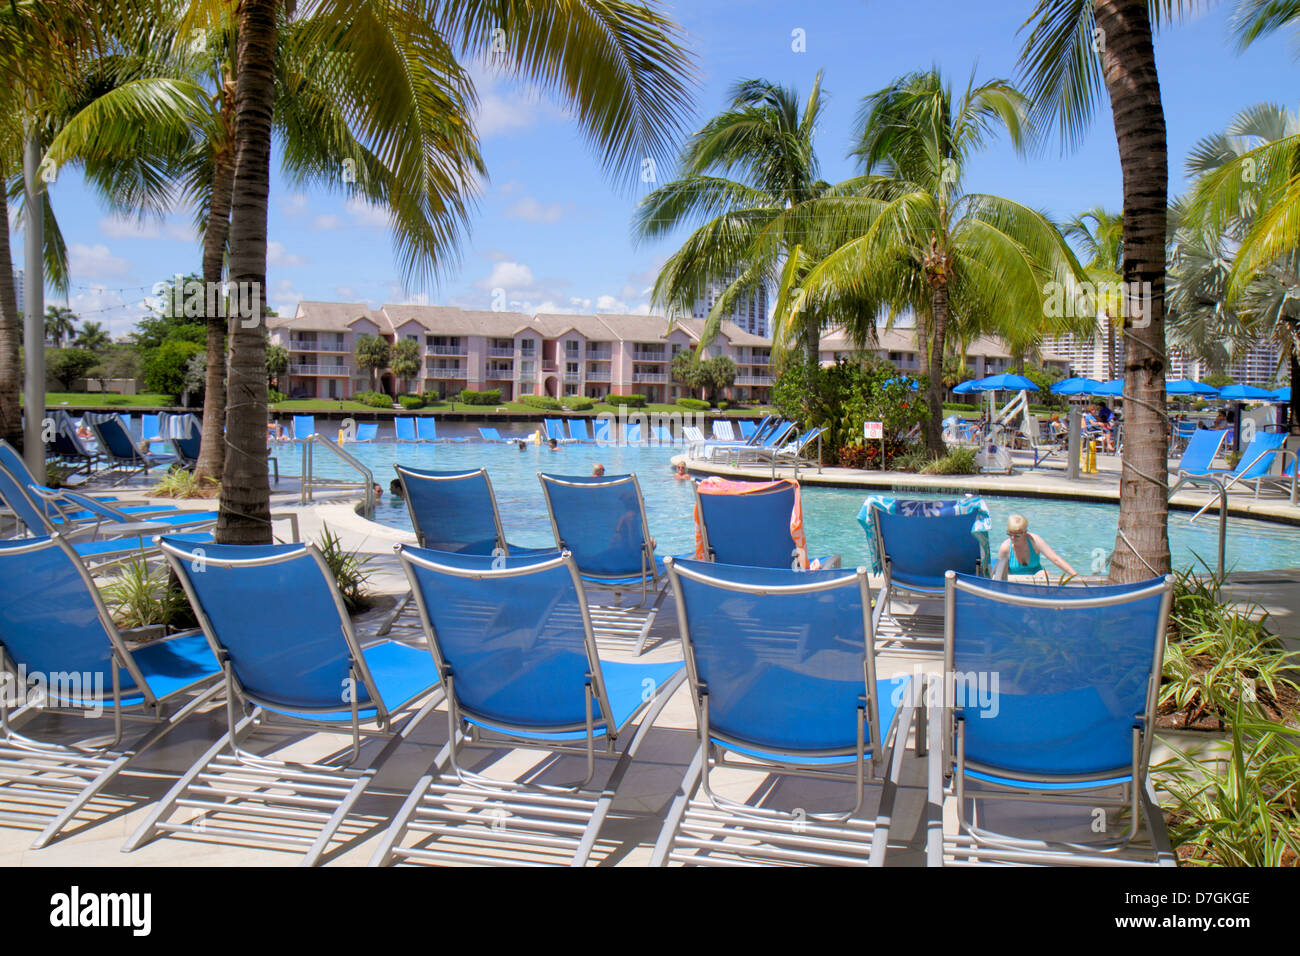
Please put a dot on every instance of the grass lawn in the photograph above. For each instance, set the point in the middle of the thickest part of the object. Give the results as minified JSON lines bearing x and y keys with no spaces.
{"x":55,"y":399}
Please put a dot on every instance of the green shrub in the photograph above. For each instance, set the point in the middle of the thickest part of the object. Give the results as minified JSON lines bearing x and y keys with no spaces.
{"x":578,"y":403}
{"x":723,"y":405}
{"x":959,"y":408}
{"x":490,"y":397}
{"x":410,"y":402}
{"x":631,"y":401}
{"x":432,"y":398}
{"x":348,"y":569}
{"x":693,"y":404}
{"x":959,"y":461}
{"x":541,"y":401}
{"x":373,"y":399}
{"x":273,"y":397}
{"x":914,"y":459}
{"x":141,"y":596}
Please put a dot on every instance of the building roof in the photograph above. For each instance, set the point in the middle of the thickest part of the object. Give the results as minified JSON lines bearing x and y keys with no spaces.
{"x":330,"y":316}
{"x":450,"y":320}
{"x":905,"y":340}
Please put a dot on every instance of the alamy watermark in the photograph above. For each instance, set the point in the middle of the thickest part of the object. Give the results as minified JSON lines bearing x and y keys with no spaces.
{"x":197,"y":299}
{"x":81,"y":689}
{"x":1088,"y":300}
{"x":975,"y":691}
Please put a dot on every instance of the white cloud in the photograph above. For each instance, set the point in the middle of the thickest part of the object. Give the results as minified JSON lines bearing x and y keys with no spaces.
{"x":95,"y":262}
{"x":530,"y":210}
{"x":278,"y":257}
{"x":504,"y":106}
{"x":509,"y":276}
{"x":295,"y":204}
{"x":325,"y":223}
{"x":116,"y":227}
{"x":106,"y":306}
{"x":283,"y":297}
{"x":367,"y":215}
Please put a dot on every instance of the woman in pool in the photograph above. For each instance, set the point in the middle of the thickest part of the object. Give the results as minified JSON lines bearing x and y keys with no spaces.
{"x":1023,"y":550}
{"x":680,"y":474}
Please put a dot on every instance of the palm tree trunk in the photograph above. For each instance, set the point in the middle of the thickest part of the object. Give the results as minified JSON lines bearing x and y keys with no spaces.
{"x":934,"y":393}
{"x":212,"y":450}
{"x":1129,"y":69}
{"x":11,"y":371}
{"x":1295,"y":399}
{"x":245,"y":504}
{"x":1110,"y":350}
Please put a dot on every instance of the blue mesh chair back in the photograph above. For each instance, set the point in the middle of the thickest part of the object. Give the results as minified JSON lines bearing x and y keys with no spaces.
{"x":601,"y":521}
{"x":920,"y":549}
{"x":304,"y":426}
{"x":50,"y":621}
{"x":512,"y":634}
{"x":149,"y":427}
{"x":427,"y":426}
{"x":276,"y":613}
{"x":188,"y":441}
{"x":632,"y":433}
{"x":785,"y":671}
{"x":600,"y":429}
{"x":15,"y":497}
{"x":780,"y":434}
{"x":367,"y":431}
{"x":1072,"y":680}
{"x":578,"y":429}
{"x":750,"y":529}
{"x":405,"y":429}
{"x":66,"y":443}
{"x":555,"y":428}
{"x":1201,"y":448}
{"x":14,"y":463}
{"x":115,"y":439}
{"x":489,"y":434}
{"x":452,"y":510}
{"x":747,"y":429}
{"x":765,"y":427}
{"x":1256,"y":462}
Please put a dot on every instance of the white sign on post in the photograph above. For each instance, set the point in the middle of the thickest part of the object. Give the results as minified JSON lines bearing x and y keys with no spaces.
{"x":873,"y":430}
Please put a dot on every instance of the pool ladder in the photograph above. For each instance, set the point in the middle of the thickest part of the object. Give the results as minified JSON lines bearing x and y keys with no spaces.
{"x":309,"y":479}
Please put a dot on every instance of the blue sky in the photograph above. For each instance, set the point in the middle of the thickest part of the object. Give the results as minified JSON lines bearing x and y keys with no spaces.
{"x":555,"y":233}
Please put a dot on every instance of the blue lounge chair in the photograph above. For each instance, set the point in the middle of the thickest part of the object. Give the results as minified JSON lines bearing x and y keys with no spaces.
{"x":1255,"y":463}
{"x":274,"y":617}
{"x":601,"y":521}
{"x":600,"y":431}
{"x":492,"y":435}
{"x":429,"y":430}
{"x":578,"y":431}
{"x":795,"y":452}
{"x":735,"y":452}
{"x":662,"y":436}
{"x":304,"y":426}
{"x":16,"y":465}
{"x":722,"y":430}
{"x":1202,"y":448}
{"x":632,"y":434}
{"x":753,"y":523}
{"x":783,"y":676}
{"x":453,"y":511}
{"x":1050,"y":702}
{"x":56,"y":631}
{"x":555,"y":429}
{"x":149,"y":428}
{"x":185,"y":434}
{"x":66,"y":446}
{"x":748,"y":429}
{"x":366,"y":432}
{"x":916,"y":550}
{"x":514,"y":644}
{"x":119,"y":450}
{"x":405,"y":428}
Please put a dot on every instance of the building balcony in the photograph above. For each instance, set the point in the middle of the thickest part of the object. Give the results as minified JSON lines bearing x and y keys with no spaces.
{"x":340,"y":371}
{"x":444,"y":350}
{"x":649,"y":377}
{"x":500,"y":374}
{"x":598,"y":355}
{"x":598,"y":375}
{"x":497,"y":351}
{"x":573,"y":376}
{"x":446,"y":373}
{"x":641,"y":355}
{"x":753,"y":380}
{"x":311,"y":345}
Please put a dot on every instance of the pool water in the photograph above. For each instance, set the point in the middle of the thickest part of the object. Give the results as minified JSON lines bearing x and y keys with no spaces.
{"x":1081,"y":532}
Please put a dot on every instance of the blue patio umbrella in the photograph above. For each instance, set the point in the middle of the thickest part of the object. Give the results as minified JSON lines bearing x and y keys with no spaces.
{"x":904,"y":381}
{"x":1112,"y":389}
{"x":1075,"y":386}
{"x":965,"y":387}
{"x":1282,"y":396}
{"x":1187,"y":386}
{"x":1244,"y":393}
{"x":1003,"y":382}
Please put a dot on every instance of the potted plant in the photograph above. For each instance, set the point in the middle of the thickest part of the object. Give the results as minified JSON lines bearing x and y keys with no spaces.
{"x":144,"y":601}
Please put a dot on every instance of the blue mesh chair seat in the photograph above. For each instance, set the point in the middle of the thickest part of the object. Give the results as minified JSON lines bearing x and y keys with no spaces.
{"x":782,"y":671}
{"x":492,"y":435}
{"x":276,"y":622}
{"x":54,"y":627}
{"x":752,"y":523}
{"x":119,"y":450}
{"x":1051,"y":694}
{"x":513,"y":642}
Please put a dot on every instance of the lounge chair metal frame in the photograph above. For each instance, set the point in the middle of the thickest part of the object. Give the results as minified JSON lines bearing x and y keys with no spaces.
{"x":123,"y":466}
{"x":949,"y":766}
{"x":267,"y":788}
{"x":543,"y":816}
{"x":773,"y":836}
{"x":76,"y":773}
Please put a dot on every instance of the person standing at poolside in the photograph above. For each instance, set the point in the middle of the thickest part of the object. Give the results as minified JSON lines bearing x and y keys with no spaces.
{"x":1023,"y":550}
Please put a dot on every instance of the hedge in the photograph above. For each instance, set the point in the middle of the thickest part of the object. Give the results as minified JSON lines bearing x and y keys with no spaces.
{"x":578,"y":403}
{"x":490,"y":397}
{"x":631,"y":401}
{"x":373,"y":399}
{"x":411,"y":402}
{"x":541,"y":401}
{"x":693,"y":404}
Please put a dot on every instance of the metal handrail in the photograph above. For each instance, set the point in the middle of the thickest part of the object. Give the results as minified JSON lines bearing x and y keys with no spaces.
{"x":1223,"y":507}
{"x":309,"y":478}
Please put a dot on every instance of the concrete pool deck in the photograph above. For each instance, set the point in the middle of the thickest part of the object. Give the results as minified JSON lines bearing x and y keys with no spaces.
{"x":643,"y":798}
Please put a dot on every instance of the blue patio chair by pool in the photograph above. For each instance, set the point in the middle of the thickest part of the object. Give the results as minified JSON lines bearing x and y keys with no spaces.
{"x":492,"y":435}
{"x":782,"y":671}
{"x":453,"y":511}
{"x":64,"y":660}
{"x":292,"y":662}
{"x":304,"y":426}
{"x":916,"y":550}
{"x":1202,"y":448}
{"x":753,"y":523}
{"x":1047,"y":724}
{"x":777,"y":435}
{"x":66,"y":446}
{"x":16,"y":465}
{"x":149,"y":428}
{"x":429,"y":430}
{"x":632,"y":433}
{"x":1256,"y":463}
{"x":801,"y":449}
{"x":185,"y":435}
{"x":119,"y":450}
{"x":578,"y":431}
{"x":601,"y":521}
{"x":722,"y":430}
{"x":692,"y":434}
{"x":662,"y":436}
{"x":600,"y":431}
{"x":555,"y":429}
{"x":367,"y":432}
{"x":748,"y":429}
{"x":405,"y":428}
{"x":514,"y":643}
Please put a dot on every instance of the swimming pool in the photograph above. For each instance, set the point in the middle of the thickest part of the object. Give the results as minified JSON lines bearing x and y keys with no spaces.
{"x":1082,"y":532}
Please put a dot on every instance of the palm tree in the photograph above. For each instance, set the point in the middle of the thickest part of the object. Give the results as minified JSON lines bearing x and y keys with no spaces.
{"x":738,"y":173}
{"x":1100,"y":233}
{"x":93,"y":337}
{"x":60,"y":324}
{"x":906,"y":236}
{"x":1075,"y":49}
{"x":620,"y":67}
